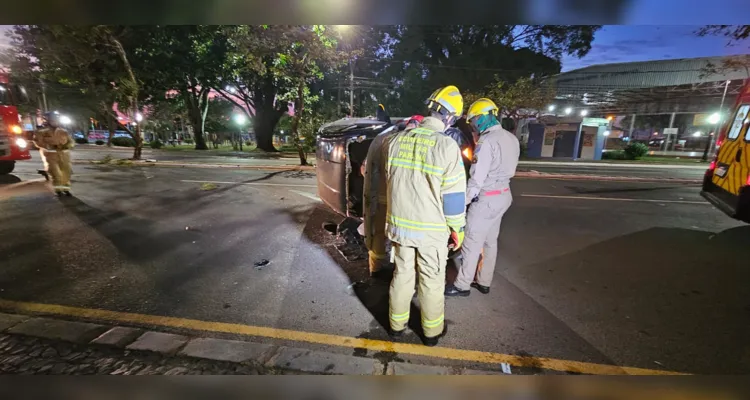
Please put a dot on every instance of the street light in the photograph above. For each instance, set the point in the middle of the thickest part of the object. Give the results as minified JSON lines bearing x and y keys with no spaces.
{"x":65,"y":120}
{"x":240,"y":120}
{"x":138,"y":117}
{"x":584,"y":113}
{"x":714,"y":118}
{"x":697,"y":134}
{"x":551,"y":108}
{"x":568,"y":111}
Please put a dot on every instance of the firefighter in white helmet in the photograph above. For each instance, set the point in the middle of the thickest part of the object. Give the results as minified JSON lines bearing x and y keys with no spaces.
{"x":54,"y":145}
{"x":426,"y":184}
{"x":488,"y":193}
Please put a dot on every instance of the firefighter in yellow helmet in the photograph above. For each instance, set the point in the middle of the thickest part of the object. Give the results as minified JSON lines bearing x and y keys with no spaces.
{"x":426,"y":184}
{"x":54,"y":145}
{"x":488,"y":193}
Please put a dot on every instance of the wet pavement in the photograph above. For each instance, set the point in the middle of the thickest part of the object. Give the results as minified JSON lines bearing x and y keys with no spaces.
{"x":636,"y":274}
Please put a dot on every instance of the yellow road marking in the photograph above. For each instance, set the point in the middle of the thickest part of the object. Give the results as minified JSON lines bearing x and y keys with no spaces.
{"x":550,"y":196}
{"x":331,"y":340}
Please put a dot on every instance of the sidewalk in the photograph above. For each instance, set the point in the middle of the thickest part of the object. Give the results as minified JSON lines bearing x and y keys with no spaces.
{"x":45,"y":345}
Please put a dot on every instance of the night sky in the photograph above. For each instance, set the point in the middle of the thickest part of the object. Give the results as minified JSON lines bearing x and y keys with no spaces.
{"x":624,"y":43}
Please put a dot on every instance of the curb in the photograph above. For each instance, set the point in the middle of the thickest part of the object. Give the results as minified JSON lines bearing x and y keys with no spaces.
{"x":234,"y":351}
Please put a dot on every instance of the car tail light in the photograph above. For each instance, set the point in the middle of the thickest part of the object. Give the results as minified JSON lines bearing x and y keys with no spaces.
{"x":712,"y":166}
{"x":748,"y":180}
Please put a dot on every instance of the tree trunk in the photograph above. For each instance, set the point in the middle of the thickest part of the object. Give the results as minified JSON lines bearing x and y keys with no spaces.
{"x":264,"y":122}
{"x":195,"y":114}
{"x":295,"y":123}
{"x":138,"y":143}
{"x":112,"y":126}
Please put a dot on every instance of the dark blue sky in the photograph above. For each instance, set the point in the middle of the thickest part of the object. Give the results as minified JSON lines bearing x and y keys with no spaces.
{"x":624,"y":43}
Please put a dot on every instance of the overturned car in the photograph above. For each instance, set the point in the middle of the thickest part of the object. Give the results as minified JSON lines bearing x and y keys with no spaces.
{"x":341,"y":154}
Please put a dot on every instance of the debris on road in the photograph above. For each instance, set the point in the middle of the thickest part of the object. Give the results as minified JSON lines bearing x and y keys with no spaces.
{"x":353,"y":246}
{"x":262,"y":264}
{"x":208,"y":186}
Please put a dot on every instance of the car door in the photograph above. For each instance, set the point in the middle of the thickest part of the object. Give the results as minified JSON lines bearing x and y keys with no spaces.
{"x":733,"y":163}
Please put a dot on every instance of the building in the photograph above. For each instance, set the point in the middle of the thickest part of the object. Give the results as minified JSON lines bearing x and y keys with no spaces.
{"x":675,"y":103}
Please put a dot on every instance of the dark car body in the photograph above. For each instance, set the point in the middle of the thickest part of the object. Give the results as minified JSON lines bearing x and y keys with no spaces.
{"x":341,"y":152}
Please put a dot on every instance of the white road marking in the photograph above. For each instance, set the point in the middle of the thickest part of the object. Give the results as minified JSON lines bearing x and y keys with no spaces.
{"x":306,"y":194}
{"x":251,"y":183}
{"x":549,"y":196}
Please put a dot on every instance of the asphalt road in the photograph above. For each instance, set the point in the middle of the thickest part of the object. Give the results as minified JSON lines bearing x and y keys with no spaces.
{"x":634,"y":274}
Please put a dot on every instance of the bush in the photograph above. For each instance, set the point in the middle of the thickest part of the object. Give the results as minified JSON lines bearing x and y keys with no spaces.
{"x":99,"y":142}
{"x":614,"y":155}
{"x":123,"y":142}
{"x":81,"y":140}
{"x":524,"y":150}
{"x":189,"y":141}
{"x":156,"y":144}
{"x":635,"y":151}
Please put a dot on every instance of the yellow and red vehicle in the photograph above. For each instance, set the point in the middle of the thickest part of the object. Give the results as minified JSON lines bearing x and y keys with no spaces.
{"x":14,"y":146}
{"x":727,"y":181}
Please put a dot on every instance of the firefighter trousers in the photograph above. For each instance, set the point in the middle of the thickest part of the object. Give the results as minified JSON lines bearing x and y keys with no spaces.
{"x":57,"y":164}
{"x":482,"y":230}
{"x":429,"y":263}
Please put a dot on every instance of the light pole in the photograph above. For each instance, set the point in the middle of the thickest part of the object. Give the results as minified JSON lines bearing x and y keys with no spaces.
{"x":240,"y":120}
{"x":714,"y":119}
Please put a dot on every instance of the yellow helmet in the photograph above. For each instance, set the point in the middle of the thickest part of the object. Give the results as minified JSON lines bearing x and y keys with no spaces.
{"x":481,"y":107}
{"x":446,"y":101}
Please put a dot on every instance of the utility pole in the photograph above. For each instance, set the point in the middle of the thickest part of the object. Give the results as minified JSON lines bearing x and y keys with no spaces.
{"x":351,"y":89}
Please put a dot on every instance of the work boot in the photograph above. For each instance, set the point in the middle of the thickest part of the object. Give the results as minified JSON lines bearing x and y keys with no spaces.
{"x":480,"y":288}
{"x":396,"y":334}
{"x":452,"y":291}
{"x":433,"y":341}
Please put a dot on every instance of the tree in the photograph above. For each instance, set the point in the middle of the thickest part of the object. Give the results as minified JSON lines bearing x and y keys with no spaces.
{"x":525,"y":98}
{"x":183,"y":58}
{"x":735,"y":34}
{"x":88,"y":61}
{"x":306,"y":52}
{"x":421,"y":58}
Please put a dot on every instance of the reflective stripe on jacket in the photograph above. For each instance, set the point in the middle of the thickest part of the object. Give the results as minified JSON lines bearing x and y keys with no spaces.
{"x":495,"y":162}
{"x":426,"y":186}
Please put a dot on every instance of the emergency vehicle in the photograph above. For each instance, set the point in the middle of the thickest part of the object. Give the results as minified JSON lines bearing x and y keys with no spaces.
{"x":14,"y":146}
{"x":726,"y":183}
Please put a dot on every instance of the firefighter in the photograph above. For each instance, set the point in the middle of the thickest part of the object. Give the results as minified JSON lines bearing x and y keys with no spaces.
{"x":54,"y":145}
{"x":488,"y":193}
{"x":426,"y":185}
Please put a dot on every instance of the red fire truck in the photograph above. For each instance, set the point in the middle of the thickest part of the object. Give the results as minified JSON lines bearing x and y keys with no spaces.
{"x":14,"y":145}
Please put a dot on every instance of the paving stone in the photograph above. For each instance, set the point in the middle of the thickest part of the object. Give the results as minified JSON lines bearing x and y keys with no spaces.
{"x":399,"y":368}
{"x":119,"y":336}
{"x":323,"y":363}
{"x":228,"y":350}
{"x":159,"y":342}
{"x":9,"y":320}
{"x":69,"y":331}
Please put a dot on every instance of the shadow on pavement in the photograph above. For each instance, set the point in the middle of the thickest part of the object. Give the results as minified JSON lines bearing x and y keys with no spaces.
{"x":673,"y":296}
{"x":9,"y":179}
{"x":372,"y":293}
{"x":136,"y":238}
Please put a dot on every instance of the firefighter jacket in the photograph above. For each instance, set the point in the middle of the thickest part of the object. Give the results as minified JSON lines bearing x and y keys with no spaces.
{"x":52,"y":139}
{"x":426,"y":184}
{"x":495,"y":161}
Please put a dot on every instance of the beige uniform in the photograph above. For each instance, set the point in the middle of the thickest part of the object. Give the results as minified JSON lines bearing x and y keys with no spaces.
{"x":426,"y":184}
{"x":375,"y":203}
{"x":495,"y":161}
{"x":54,"y":147}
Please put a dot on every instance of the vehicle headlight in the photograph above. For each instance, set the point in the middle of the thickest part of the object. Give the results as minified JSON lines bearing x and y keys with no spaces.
{"x":16,"y":129}
{"x":21,"y":143}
